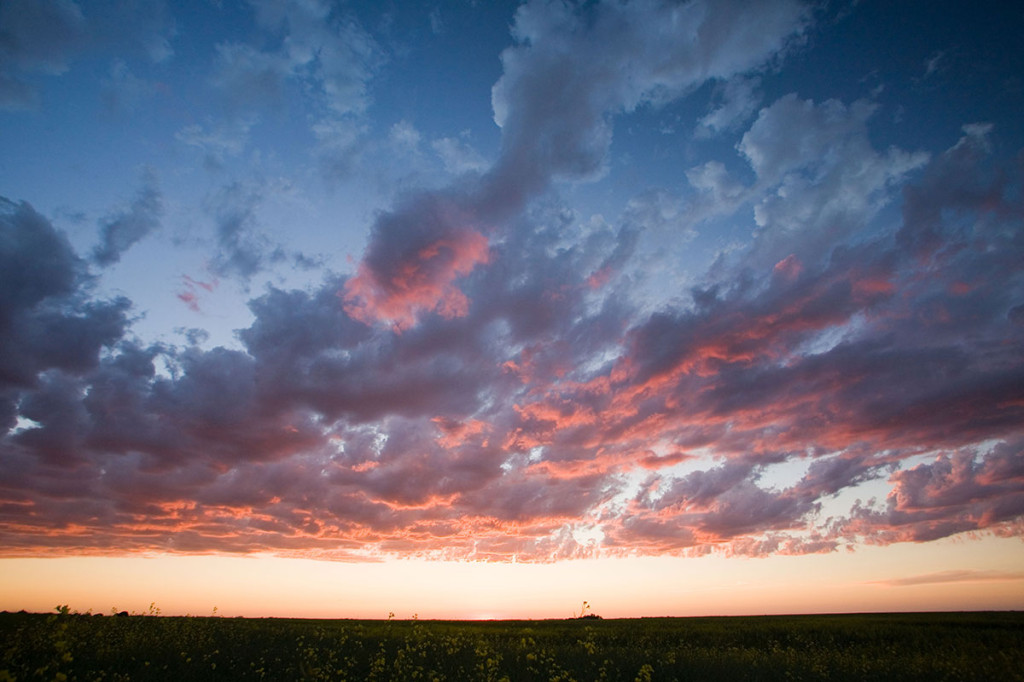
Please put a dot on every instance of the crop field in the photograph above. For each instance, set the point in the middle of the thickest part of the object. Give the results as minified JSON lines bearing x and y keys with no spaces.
{"x":928,"y":646}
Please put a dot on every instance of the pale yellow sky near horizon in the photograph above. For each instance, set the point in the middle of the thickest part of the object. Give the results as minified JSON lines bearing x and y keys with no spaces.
{"x":955,"y":574}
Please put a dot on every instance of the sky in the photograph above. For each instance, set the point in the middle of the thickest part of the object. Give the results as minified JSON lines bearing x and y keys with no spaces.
{"x":483,"y":309}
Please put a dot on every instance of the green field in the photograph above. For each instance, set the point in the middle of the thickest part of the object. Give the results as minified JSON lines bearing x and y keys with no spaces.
{"x":927,"y":646}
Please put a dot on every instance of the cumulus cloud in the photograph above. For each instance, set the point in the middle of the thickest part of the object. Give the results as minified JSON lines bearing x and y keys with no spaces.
{"x":561,"y":84}
{"x":435,"y":242}
{"x":962,"y":490}
{"x":46,"y":321}
{"x":817,"y":174}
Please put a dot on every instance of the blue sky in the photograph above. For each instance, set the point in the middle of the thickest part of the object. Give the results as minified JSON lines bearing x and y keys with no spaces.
{"x":510,"y":281}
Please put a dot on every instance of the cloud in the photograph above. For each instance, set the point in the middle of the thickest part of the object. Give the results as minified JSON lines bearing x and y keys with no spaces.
{"x":219,"y":141}
{"x":325,"y":56}
{"x":46,"y":36}
{"x":121,"y":230}
{"x":300,"y":54}
{"x":404,"y":136}
{"x":339,"y":146}
{"x":123,"y":91}
{"x":458,"y":156}
{"x":193,"y":290}
{"x":560,"y":86}
{"x":38,"y":261}
{"x":139,"y":28}
{"x":251,"y":77}
{"x":437,"y":25}
{"x":818,"y":359}
{"x":38,"y":37}
{"x":964,"y":576}
{"x":434,"y":242}
{"x":818,"y":159}
{"x":242,"y":247}
{"x":341,"y":55}
{"x":50,"y":333}
{"x":958,"y":492}
{"x":934,"y":63}
{"x":47,"y":323}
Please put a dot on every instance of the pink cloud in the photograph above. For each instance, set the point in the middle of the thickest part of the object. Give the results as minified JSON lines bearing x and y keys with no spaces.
{"x":410,"y":267}
{"x":423,"y":282}
{"x":193,"y":289}
{"x":190,"y":299}
{"x":789,"y":267}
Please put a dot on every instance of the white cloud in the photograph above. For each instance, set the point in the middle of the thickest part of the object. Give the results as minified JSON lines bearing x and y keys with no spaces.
{"x":713,"y":178}
{"x":458,"y":155}
{"x":817,"y":172}
{"x":221,"y":140}
{"x":404,"y":137}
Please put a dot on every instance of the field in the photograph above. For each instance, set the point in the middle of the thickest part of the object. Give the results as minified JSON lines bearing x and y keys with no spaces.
{"x":933,"y":646}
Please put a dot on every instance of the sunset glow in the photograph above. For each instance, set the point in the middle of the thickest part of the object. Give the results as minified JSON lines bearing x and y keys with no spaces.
{"x":480,"y":310}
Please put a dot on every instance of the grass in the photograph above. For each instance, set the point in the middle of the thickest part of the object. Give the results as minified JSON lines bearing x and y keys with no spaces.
{"x":927,"y":646}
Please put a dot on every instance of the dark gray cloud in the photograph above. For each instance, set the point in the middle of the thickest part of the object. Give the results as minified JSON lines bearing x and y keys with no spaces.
{"x":45,"y":320}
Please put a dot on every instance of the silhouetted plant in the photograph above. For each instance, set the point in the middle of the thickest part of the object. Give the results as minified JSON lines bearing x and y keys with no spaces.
{"x":583,"y":613}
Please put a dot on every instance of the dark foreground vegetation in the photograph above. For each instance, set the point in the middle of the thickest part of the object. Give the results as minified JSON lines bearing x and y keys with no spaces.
{"x":936,"y":646}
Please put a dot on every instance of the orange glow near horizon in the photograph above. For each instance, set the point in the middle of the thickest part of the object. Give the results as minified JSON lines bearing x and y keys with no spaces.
{"x":976,"y":575}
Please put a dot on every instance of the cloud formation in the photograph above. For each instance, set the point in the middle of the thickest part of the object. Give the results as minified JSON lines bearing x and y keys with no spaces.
{"x":37,"y":37}
{"x":952,"y":577}
{"x":570,"y":72}
{"x":484,"y":384}
{"x":45,"y":37}
{"x":122,"y":229}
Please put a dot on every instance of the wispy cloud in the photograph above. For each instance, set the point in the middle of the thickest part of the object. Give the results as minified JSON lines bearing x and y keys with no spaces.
{"x":965,"y":576}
